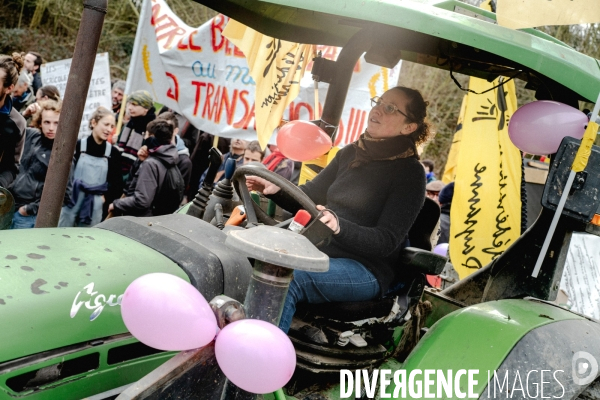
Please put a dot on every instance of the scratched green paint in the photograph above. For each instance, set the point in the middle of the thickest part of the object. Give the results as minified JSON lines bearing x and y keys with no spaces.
{"x":36,"y":317}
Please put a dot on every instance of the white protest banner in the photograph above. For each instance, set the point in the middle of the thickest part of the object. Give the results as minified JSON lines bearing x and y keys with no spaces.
{"x":581,"y":276}
{"x":203,"y":76}
{"x":57,"y":72}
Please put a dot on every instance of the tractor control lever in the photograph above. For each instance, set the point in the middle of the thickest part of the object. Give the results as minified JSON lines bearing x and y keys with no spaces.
{"x":198,"y":205}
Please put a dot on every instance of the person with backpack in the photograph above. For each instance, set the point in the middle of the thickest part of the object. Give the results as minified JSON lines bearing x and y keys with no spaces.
{"x":157,"y":186}
{"x":97,"y":176}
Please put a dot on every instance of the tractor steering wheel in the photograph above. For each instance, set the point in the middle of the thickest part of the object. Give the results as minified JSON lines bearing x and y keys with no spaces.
{"x":253,"y":211}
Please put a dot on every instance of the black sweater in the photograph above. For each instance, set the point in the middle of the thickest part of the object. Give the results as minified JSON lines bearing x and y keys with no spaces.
{"x":376,"y":203}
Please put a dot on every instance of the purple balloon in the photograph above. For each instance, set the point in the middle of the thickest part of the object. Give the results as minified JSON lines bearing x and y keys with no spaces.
{"x":165,"y":312}
{"x":540,"y":126}
{"x":441,"y":249}
{"x":255,"y":355}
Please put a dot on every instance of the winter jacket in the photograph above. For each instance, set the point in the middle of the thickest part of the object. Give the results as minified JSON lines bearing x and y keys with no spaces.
{"x":27,"y":188}
{"x":147,"y":181}
{"x":12,"y":129}
{"x":131,"y":140}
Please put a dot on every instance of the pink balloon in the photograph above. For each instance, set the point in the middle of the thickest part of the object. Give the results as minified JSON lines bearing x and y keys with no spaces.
{"x":540,"y":126}
{"x":441,"y":249}
{"x":255,"y":355}
{"x":302,"y":141}
{"x":165,"y":312}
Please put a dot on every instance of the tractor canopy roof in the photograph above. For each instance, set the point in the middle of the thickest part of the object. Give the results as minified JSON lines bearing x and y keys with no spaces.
{"x":447,"y":34}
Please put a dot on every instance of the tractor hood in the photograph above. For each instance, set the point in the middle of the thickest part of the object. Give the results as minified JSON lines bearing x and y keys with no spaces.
{"x":62,"y":286}
{"x":447,"y":34}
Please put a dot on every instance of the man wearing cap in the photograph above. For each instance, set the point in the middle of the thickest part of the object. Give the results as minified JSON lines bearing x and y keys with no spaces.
{"x":141,"y":110}
{"x":433,"y":189}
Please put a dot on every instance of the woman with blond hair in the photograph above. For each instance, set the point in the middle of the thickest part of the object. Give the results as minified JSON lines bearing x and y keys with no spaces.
{"x":97,"y":176}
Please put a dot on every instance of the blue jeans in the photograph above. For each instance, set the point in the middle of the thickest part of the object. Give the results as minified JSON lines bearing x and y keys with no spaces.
{"x":21,"y":222}
{"x":346,"y":280}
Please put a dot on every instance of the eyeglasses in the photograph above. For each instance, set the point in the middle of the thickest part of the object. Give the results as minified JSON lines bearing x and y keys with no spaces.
{"x":387,"y":108}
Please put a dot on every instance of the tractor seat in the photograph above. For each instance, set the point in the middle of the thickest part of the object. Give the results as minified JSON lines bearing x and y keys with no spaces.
{"x":420,"y":262}
{"x":417,"y":259}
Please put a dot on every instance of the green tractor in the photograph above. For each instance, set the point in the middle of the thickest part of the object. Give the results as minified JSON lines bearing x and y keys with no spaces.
{"x":495,"y":334}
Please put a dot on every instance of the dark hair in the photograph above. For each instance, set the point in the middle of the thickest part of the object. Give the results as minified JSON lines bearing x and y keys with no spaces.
{"x":50,"y":91}
{"x":162,"y":130}
{"x":46,"y":105}
{"x":254,"y":147}
{"x":446,"y":194}
{"x":38,"y":58}
{"x":417,"y":112}
{"x":100,"y":113}
{"x":429,"y":164}
{"x":12,"y":66}
{"x":169,"y":117}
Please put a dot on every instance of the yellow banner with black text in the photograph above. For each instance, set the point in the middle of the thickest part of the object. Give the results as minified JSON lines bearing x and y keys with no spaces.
{"x":277,"y":67}
{"x":485,"y":217}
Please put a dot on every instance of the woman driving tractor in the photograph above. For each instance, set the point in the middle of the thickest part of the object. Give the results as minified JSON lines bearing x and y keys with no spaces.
{"x":375,"y":189}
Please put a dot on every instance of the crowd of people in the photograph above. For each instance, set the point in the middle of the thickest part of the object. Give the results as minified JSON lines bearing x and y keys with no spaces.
{"x":154,"y":164}
{"x":158,"y":160}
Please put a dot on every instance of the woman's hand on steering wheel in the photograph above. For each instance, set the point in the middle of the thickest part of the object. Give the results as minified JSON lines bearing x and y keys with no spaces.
{"x":261,"y":185}
{"x":329,"y":219}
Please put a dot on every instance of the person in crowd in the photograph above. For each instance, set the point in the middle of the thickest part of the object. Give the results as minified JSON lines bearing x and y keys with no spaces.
{"x":433,"y":189}
{"x":200,"y":159}
{"x":236,"y":151}
{"x":46,"y":92}
{"x":184,"y":162}
{"x":253,"y":153}
{"x":97,"y":178}
{"x":370,"y":195}
{"x":162,"y":154}
{"x":23,"y":94}
{"x":429,"y":167}
{"x":141,"y":108}
{"x":278,"y":163}
{"x":12,"y":124}
{"x":116,"y":94}
{"x":33,"y":62}
{"x":445,"y":200}
{"x":29,"y":184}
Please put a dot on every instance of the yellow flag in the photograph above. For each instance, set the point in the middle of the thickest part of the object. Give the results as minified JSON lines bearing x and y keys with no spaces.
{"x":450,"y":169}
{"x":277,"y":67}
{"x":485,"y":217}
{"x":517,"y":14}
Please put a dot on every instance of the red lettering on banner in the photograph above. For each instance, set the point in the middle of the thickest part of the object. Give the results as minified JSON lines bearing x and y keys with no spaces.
{"x":173,"y":93}
{"x":193,"y":47}
{"x":308,"y":108}
{"x":229,"y":106}
{"x":181,"y":45}
{"x":358,"y":127}
{"x":167,"y":25}
{"x":239,"y":124}
{"x":250,"y":118}
{"x":210,"y":90}
{"x":198,"y":85}
{"x":340,"y":134}
{"x":244,"y":122}
{"x":220,"y":42}
{"x":237,"y":52}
